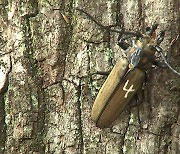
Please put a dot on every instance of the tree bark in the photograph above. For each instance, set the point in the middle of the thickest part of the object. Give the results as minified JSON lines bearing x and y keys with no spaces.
{"x":48,"y":53}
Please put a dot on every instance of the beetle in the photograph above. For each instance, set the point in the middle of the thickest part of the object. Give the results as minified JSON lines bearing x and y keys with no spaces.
{"x":126,"y":77}
{"x":128,"y":74}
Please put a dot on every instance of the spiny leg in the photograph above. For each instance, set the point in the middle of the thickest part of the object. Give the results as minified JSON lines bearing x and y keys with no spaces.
{"x":160,"y":37}
{"x":159,"y":64}
{"x":155,"y":61}
{"x":121,"y":41}
{"x":124,"y":45}
{"x":151,"y":30}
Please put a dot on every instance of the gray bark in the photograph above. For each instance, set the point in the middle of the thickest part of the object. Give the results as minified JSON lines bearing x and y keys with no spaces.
{"x":48,"y":52}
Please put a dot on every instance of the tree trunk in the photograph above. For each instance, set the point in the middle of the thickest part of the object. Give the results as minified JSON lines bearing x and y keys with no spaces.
{"x":48,"y":53}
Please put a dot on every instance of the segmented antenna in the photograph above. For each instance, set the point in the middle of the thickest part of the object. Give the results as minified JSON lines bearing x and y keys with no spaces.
{"x":168,"y":65}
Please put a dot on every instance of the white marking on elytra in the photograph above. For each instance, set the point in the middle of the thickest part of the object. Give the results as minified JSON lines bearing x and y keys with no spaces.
{"x":128,"y":90}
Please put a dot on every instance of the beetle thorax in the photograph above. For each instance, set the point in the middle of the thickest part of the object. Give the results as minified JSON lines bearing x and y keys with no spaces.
{"x":140,"y":53}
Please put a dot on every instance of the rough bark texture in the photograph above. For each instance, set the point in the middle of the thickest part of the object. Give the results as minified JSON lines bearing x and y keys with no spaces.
{"x":47,"y":53}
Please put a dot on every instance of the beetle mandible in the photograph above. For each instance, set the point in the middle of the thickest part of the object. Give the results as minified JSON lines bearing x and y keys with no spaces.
{"x":128,"y":73}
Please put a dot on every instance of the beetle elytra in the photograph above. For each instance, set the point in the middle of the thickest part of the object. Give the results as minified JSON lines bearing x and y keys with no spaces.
{"x":110,"y":103}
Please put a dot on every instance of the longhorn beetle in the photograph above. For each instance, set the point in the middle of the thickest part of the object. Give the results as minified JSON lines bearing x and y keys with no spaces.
{"x":128,"y":73}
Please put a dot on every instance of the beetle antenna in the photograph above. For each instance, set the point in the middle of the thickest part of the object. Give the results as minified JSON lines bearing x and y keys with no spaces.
{"x":91,"y":17}
{"x":168,"y":65}
{"x":159,"y":50}
{"x":137,"y":34}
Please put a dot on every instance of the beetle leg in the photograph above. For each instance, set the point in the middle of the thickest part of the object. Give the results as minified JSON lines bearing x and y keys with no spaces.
{"x":155,"y":61}
{"x":125,"y":37}
{"x":159,"y":64}
{"x":151,"y":30}
{"x":102,"y":73}
{"x":174,"y":40}
{"x":160,"y":37}
{"x":121,"y":42}
{"x":124,"y":45}
{"x":145,"y":80}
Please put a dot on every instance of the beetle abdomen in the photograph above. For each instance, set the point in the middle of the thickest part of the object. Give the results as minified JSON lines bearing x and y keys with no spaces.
{"x":116,"y":93}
